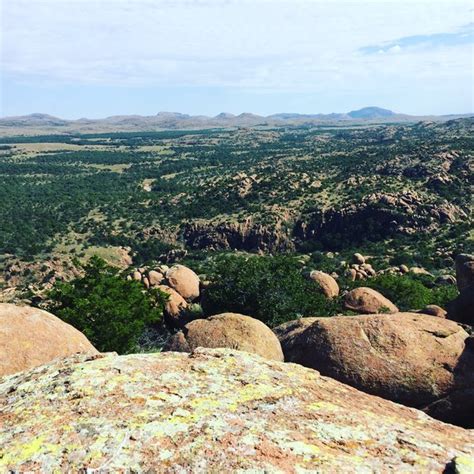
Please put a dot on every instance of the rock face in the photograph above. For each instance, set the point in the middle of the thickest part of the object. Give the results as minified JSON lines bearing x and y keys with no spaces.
{"x":184,"y":281}
{"x":368,"y":301}
{"x":409,"y":358}
{"x":461,"y":309}
{"x":215,"y":410}
{"x":464,"y":271}
{"x":326,"y":282}
{"x":30,"y":337}
{"x":231,"y":330}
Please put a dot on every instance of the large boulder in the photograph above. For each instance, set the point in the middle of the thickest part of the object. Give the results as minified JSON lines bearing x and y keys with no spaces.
{"x":215,"y":410}
{"x":231,"y":330}
{"x":175,"y":306}
{"x":326,"y":283}
{"x":368,"y":301}
{"x":30,"y":337}
{"x":464,"y":270}
{"x":184,"y":281}
{"x":461,"y":309}
{"x":409,"y":358}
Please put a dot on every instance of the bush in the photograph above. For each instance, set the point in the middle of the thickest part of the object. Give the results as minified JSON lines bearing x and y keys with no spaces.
{"x":410,"y":292}
{"x":271,"y":289}
{"x":111,"y":311}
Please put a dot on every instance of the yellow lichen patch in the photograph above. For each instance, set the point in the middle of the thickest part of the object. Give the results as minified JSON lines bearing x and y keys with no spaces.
{"x":323,"y":405}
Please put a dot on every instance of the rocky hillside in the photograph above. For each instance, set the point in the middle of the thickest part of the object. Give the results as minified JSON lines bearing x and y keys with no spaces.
{"x":393,"y":191}
{"x":211,"y":411}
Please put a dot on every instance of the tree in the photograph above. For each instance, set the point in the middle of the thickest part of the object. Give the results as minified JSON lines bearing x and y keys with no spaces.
{"x":271,"y":289}
{"x":111,"y":311}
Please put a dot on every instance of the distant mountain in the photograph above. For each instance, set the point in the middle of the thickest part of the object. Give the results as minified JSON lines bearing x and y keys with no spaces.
{"x":43,"y":123}
{"x":371,"y":113}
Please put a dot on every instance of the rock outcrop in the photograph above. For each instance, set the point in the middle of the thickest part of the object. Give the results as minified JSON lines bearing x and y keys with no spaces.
{"x":30,"y":337}
{"x":464,"y":271}
{"x":326,"y":283}
{"x":210,"y":411}
{"x":461,"y":309}
{"x":230,"y":330}
{"x":368,"y":301}
{"x":410,"y":358}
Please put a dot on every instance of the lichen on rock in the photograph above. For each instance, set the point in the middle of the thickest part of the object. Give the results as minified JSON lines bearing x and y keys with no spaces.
{"x":214,"y":410}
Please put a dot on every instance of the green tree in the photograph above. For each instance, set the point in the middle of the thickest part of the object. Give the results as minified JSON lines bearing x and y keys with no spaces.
{"x":111,"y":311}
{"x":271,"y":289}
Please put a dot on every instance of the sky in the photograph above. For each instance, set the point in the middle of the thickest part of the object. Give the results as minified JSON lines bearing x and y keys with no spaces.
{"x":96,"y":58}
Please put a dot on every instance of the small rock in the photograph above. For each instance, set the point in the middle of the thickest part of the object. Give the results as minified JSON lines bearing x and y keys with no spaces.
{"x":367,"y":300}
{"x":358,"y":258}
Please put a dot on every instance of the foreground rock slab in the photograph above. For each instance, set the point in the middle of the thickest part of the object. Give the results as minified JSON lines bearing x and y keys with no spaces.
{"x":215,"y":410}
{"x":30,"y":337}
{"x":422,"y":361}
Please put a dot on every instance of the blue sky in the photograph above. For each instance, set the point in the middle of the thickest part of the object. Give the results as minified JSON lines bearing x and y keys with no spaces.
{"x":95,"y":58}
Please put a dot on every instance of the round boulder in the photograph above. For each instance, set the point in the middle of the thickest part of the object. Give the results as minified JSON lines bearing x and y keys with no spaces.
{"x":326,"y":282}
{"x":184,"y":281}
{"x":368,"y":301}
{"x":174,"y":307}
{"x":30,"y":337}
{"x":230,"y":330}
{"x":155,"y":278}
{"x":358,"y":258}
{"x":410,"y":358}
{"x":433,"y":310}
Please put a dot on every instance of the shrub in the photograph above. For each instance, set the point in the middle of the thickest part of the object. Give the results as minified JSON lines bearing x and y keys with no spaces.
{"x":410,"y":292}
{"x":111,"y":311}
{"x":271,"y":289}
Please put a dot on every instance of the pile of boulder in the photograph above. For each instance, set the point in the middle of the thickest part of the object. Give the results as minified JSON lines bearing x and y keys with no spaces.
{"x":179,"y":282}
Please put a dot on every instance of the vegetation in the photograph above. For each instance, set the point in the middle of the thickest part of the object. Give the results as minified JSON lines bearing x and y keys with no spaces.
{"x":111,"y":311}
{"x":272,"y":289}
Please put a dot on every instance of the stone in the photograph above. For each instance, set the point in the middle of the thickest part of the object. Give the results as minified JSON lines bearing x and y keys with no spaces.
{"x":175,"y":306}
{"x":410,"y":358}
{"x":461,"y":309}
{"x":351,"y":274}
{"x":445,"y":280}
{"x":434,"y":310}
{"x":137,"y":275}
{"x":404,"y":269}
{"x":184,"y":281}
{"x":231,"y":330}
{"x":464,"y":270}
{"x":30,"y":337}
{"x":358,"y":258}
{"x":419,"y":271}
{"x":215,"y":410}
{"x":326,"y":283}
{"x":367,"y":300}
{"x":155,"y":278}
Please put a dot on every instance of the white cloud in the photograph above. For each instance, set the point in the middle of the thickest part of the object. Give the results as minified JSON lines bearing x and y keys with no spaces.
{"x":286,"y":45}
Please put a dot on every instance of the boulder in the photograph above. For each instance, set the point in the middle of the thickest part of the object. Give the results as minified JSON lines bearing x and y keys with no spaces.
{"x":174,"y":307}
{"x":461,"y":309}
{"x":433,"y":310}
{"x":231,"y":330}
{"x":464,"y":270}
{"x":155,"y":278}
{"x":184,"y":281}
{"x":326,"y":283}
{"x":215,"y":410}
{"x":358,"y":258}
{"x":366,"y":300}
{"x":410,"y":358}
{"x":30,"y":337}
{"x":137,"y":275}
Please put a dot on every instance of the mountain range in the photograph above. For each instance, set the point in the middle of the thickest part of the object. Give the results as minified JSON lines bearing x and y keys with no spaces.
{"x":39,"y":122}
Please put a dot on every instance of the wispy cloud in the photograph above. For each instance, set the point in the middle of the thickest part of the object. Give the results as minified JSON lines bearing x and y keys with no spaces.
{"x":464,"y":35}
